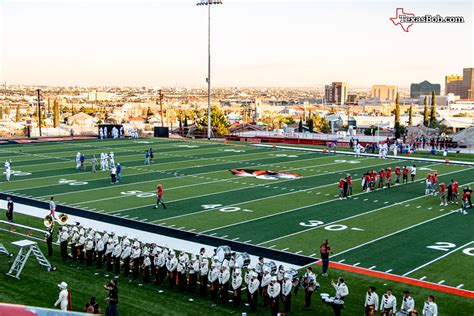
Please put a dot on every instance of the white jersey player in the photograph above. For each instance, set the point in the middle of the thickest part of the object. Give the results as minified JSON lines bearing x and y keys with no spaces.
{"x":8,"y":170}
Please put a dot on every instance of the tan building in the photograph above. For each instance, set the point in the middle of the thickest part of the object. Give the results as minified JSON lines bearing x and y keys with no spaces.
{"x":467,"y":86}
{"x":452,"y":84}
{"x":336,"y":93}
{"x":384,"y":93}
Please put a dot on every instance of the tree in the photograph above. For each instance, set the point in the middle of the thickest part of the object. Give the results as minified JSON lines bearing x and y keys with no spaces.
{"x":73,"y":109}
{"x":186,"y":121}
{"x":397,"y":112}
{"x":426,"y":113}
{"x":433,"y":110}
{"x":219,"y":123}
{"x":311,"y":125}
{"x":56,"y":117}
{"x":300,"y":126}
{"x":17,"y":115}
{"x":410,"y":116}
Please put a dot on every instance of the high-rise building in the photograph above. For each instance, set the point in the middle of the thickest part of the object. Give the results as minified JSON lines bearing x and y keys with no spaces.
{"x":336,"y":92}
{"x":467,"y":86}
{"x":452,"y":84}
{"x":384,"y":93}
{"x":424,"y":87}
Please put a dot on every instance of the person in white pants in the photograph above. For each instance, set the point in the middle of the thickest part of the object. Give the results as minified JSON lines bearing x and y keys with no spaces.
{"x":63,"y":299}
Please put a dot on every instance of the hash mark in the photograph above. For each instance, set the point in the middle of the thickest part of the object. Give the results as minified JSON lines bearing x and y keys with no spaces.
{"x":388,"y":271}
{"x":372,"y":267}
{"x":341,"y":261}
{"x":356,"y":264}
{"x":423,"y":277}
{"x":459,"y":286}
{"x":441,"y":282}
{"x":285,"y":249}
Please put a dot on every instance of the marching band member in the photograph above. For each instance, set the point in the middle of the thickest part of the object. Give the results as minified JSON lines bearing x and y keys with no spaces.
{"x":232,"y":261}
{"x":341,"y":292}
{"x":280,"y":274}
{"x":309,"y":283}
{"x":146,"y":269}
{"x":248,"y":279}
{"x":266,"y":279}
{"x":274,"y":290}
{"x":116,"y":255}
{"x":259,"y":271}
{"x":236,"y":286}
{"x":125,"y":256}
{"x":224,"y":277}
{"x":108,"y":254}
{"x":408,"y":305}
{"x":136,"y":254}
{"x":160,"y":267}
{"x":203,"y":272}
{"x":371,"y":302}
{"x":286,"y":293}
{"x":49,"y":240}
{"x":193,"y":268}
{"x":153,"y":253}
{"x":99,"y":250}
{"x":214,"y":280}
{"x":63,"y":238}
{"x":253,"y":286}
{"x":388,"y":304}
{"x":430,"y":308}
{"x":171,"y":265}
{"x":181,"y":270}
{"x":72,"y":243}
{"x":80,"y":246}
{"x":89,"y":251}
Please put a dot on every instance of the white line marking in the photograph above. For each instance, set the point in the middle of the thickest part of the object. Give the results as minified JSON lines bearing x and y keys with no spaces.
{"x":440,"y":257}
{"x":191,"y":230}
{"x":224,"y":236}
{"x":419,"y":206}
{"x":237,"y":238}
{"x":299,"y":251}
{"x":356,"y":264}
{"x":441,"y":282}
{"x":272,"y":246}
{"x":341,"y":261}
{"x":459,"y":286}
{"x":388,"y":271}
{"x":423,"y":277}
{"x":181,"y":227}
{"x":285,"y":249}
{"x":212,"y":234}
{"x":312,"y":255}
{"x":372,"y":267}
{"x":247,"y":241}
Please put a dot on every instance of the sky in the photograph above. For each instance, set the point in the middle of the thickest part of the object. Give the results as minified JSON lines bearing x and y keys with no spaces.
{"x":261,"y":43}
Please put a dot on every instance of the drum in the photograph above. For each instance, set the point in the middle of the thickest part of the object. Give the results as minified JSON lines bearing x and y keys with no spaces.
{"x":329,"y":300}
{"x":291,"y":274}
{"x":222,"y":253}
{"x":324,"y":296}
{"x":338,"y":302}
{"x":270,"y":267}
{"x":242,"y":260}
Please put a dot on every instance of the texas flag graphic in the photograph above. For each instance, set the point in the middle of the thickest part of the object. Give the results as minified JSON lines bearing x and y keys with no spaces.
{"x":397,"y":20}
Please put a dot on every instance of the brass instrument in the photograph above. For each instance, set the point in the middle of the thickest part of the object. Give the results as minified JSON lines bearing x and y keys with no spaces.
{"x":63,"y":219}
{"x":48,"y":221}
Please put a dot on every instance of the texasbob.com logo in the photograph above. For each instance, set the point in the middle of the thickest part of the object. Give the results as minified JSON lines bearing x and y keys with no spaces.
{"x":406,"y":19}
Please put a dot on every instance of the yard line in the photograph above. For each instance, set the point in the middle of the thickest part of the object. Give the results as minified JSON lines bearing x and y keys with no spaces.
{"x":372,"y":267}
{"x":224,"y":236}
{"x":181,"y":227}
{"x":341,"y":261}
{"x":440,"y":257}
{"x":272,"y":246}
{"x":236,"y":238}
{"x":312,"y":255}
{"x":134,"y":218}
{"x":356,"y":264}
{"x":394,"y":233}
{"x":285,"y":249}
{"x":423,"y":277}
{"x":213,"y":234}
{"x":388,"y":271}
{"x":191,"y":230}
{"x":247,"y":241}
{"x":459,"y":286}
{"x":441,"y":282}
{"x":124,"y":216}
{"x":300,"y":251}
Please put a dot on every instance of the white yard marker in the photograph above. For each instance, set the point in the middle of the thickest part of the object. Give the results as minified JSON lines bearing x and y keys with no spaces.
{"x":430,"y":208}
{"x":181,"y":227}
{"x":386,"y":202}
{"x":407,"y":205}
{"x":356,"y":264}
{"x":441,"y":282}
{"x":247,"y":241}
{"x":372,"y":267}
{"x":388,"y":271}
{"x":191,"y":230}
{"x":172,"y":225}
{"x":285,"y":249}
{"x":212,"y":234}
{"x":237,"y":238}
{"x":272,"y":246}
{"x":459,"y":286}
{"x":441,"y":210}
{"x":423,"y":277}
{"x":299,"y":251}
{"x":375,"y":201}
{"x":318,"y":193}
{"x":419,"y":206}
{"x":312,"y":255}
{"x":224,"y":236}
{"x":134,"y":218}
{"x":327,"y":194}
{"x":341,"y":261}
{"x":366,"y":200}
{"x":356,"y":198}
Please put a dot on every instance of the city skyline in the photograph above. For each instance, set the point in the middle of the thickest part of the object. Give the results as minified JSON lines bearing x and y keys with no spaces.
{"x":254,"y":44}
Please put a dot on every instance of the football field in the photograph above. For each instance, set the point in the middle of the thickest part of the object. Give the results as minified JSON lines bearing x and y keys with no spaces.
{"x":397,"y":230}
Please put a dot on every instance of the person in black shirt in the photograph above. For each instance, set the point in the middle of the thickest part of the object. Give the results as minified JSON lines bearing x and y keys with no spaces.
{"x":49,"y":240}
{"x":112,"y":298}
{"x":9,"y":212}
{"x":92,"y":307}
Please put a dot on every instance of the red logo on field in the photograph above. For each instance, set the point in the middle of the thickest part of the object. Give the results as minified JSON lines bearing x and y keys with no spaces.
{"x":398,"y":20}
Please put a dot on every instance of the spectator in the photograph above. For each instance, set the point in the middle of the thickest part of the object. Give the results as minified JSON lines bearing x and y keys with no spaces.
{"x":92,"y":307}
{"x":112,"y":298}
{"x":430,"y":308}
{"x":10,"y":207}
{"x":325,"y":250}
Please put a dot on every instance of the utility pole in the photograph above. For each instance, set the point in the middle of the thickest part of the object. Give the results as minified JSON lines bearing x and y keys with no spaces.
{"x":160,"y":95}
{"x":39,"y":110}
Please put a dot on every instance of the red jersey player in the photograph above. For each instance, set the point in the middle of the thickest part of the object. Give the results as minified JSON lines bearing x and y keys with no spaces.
{"x":341,"y":188}
{"x":442,"y":194}
{"x":349,"y":184}
{"x":454,"y":198}
{"x":465,"y":201}
{"x":398,"y":172}
{"x":381,"y":178}
{"x":405,"y":174}
{"x":159,"y":196}
{"x":388,"y":177}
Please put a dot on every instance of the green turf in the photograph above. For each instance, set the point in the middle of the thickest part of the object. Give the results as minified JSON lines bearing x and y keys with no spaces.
{"x":39,"y":288}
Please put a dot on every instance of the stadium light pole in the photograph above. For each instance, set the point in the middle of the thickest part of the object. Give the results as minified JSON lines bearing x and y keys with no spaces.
{"x":208,"y":79}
